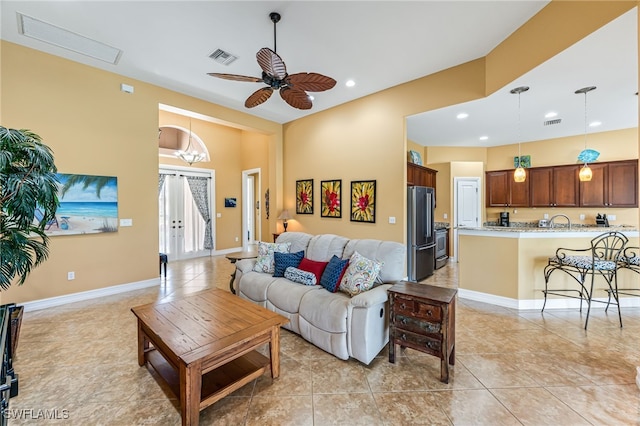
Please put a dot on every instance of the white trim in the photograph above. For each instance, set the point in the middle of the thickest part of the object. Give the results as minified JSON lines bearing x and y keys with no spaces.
{"x":245,"y":189}
{"x":536,"y":304}
{"x":456,"y":182}
{"x":87,"y":295}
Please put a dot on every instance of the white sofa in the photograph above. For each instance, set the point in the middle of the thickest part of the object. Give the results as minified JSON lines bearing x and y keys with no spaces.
{"x":344,"y":326}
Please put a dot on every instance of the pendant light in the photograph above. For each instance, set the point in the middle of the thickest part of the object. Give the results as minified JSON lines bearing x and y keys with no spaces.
{"x":190,"y":155}
{"x":519,"y":174}
{"x":585,"y":174}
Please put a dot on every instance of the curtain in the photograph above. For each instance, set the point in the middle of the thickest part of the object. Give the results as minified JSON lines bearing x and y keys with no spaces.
{"x":161,"y":178}
{"x":198,"y":187}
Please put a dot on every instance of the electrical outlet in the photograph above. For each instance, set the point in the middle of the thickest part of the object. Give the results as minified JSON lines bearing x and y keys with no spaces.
{"x":237,"y":239}
{"x":71,"y":276}
{"x":392,"y":219}
{"x":545,"y":216}
{"x":218,"y":214}
{"x":445,"y":216}
{"x":582,"y":217}
{"x":611,"y":216}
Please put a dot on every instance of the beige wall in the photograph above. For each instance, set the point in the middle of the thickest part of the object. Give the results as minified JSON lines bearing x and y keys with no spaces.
{"x":94,"y":128}
{"x":255,"y":155}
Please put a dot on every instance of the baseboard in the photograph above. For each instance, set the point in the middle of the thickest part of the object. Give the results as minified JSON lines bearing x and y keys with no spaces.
{"x":536,"y":304}
{"x":87,"y":295}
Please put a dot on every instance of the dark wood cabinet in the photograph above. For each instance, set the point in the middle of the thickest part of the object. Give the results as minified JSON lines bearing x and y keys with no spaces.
{"x":503,"y":191}
{"x":420,"y":176}
{"x":613,"y":184}
{"x":423,"y":317}
{"x":554,"y":186}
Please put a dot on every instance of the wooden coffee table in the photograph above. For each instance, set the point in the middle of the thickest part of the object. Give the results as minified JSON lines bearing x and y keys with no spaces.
{"x":203,"y":346}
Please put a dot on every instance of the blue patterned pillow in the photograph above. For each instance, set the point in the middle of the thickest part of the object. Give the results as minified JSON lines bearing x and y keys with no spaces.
{"x":333,"y":273}
{"x":299,"y":276}
{"x":284,"y":260}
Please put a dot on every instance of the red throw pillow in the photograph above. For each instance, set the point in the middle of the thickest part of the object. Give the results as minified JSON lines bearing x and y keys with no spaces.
{"x":313,"y":266}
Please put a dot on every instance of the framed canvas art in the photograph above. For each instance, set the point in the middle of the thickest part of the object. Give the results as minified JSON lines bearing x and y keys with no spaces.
{"x":331,"y":198}
{"x":304,"y":196}
{"x":363,"y":201}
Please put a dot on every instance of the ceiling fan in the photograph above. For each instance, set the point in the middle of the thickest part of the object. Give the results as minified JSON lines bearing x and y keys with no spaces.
{"x":293,"y":87}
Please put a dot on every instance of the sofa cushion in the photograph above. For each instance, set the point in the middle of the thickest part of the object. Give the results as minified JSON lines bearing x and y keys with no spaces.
{"x":361,"y":274}
{"x":323,"y":247}
{"x":283,"y":260}
{"x":254,"y":285}
{"x":265,"y":262}
{"x":391,"y":253}
{"x":325,"y":311}
{"x":333,"y":273}
{"x":317,"y":268}
{"x":287,"y":295}
{"x":299,"y":240}
{"x":299,"y":276}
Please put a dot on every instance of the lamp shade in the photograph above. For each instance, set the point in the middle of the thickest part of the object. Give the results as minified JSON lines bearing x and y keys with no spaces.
{"x":284,"y":215}
{"x":519,"y":175}
{"x":585,"y":174}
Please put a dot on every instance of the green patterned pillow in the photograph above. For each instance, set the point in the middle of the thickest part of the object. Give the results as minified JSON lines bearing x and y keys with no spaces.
{"x":266,"y":262}
{"x":361,"y":274}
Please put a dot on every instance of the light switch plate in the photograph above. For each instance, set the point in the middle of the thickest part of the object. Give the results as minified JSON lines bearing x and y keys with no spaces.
{"x":126,"y":222}
{"x":392,"y":219}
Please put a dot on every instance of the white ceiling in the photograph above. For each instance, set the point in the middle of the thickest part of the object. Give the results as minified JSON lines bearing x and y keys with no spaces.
{"x":607,"y":59}
{"x":377,"y":44}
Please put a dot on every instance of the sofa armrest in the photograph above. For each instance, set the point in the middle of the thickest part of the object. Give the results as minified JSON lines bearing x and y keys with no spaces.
{"x":245,"y":265}
{"x":369,"y":298}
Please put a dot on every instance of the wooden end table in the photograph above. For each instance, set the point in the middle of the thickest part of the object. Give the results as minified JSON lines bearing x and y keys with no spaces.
{"x":233,"y":258}
{"x":203,"y":346}
{"x":423,"y":317}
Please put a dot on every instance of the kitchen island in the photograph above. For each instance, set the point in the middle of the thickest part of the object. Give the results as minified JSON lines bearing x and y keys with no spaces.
{"x":504,"y":265}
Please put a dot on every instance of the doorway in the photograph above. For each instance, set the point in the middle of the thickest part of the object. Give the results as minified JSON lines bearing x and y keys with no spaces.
{"x":182,"y":229}
{"x":467,"y":207}
{"x":251,"y":208}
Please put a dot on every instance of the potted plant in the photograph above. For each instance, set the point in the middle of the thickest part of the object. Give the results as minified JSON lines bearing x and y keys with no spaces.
{"x":28,"y":184}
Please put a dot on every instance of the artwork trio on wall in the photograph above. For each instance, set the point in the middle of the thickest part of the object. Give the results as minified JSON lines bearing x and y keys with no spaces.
{"x":362,"y":205}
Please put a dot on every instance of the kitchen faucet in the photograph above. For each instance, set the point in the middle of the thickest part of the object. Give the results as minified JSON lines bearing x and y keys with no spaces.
{"x":556,"y":215}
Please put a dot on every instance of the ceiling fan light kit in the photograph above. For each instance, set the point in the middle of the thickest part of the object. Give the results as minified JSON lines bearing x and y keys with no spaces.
{"x":293,"y":88}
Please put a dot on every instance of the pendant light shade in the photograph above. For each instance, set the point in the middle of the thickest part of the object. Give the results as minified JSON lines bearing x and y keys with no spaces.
{"x":519,"y":174}
{"x":585,"y":174}
{"x":190,"y":155}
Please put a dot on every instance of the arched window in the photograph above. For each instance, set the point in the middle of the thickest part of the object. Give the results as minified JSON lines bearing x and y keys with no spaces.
{"x":172,"y":138}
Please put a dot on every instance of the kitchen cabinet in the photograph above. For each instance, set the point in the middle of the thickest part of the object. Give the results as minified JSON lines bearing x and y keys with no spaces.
{"x":554,"y":186}
{"x":420,"y":176}
{"x":503,"y":191}
{"x":614,"y":184}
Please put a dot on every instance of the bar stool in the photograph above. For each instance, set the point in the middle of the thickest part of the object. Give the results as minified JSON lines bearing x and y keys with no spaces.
{"x":630,"y":259}
{"x":602,"y":258}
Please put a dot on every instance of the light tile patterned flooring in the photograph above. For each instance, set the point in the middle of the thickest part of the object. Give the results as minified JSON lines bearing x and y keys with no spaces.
{"x":78,"y":362}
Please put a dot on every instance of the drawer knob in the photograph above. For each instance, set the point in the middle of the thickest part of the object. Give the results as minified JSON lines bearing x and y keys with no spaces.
{"x":404,"y":321}
{"x":403,"y":337}
{"x":431,"y":345}
{"x":429,"y":312}
{"x":403,"y":306}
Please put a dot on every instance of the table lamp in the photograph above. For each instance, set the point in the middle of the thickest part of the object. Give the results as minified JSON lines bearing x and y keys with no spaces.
{"x":284,"y":216}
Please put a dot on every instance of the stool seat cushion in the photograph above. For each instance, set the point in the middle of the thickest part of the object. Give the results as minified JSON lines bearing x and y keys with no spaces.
{"x":584,"y":262}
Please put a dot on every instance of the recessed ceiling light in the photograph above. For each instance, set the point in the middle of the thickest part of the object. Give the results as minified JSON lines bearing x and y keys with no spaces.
{"x":462,"y":116}
{"x":350,"y":83}
{"x":484,"y":138}
{"x":595,"y":123}
{"x":551,"y":114}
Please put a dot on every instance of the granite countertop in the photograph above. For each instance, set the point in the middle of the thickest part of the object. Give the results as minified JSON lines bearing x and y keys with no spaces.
{"x":441,"y":225}
{"x":527,"y":227}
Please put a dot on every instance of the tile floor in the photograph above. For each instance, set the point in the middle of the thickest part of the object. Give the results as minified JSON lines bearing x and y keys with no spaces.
{"x":78,"y":363}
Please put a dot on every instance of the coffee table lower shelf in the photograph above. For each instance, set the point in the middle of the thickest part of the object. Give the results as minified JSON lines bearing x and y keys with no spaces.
{"x":218,"y":383}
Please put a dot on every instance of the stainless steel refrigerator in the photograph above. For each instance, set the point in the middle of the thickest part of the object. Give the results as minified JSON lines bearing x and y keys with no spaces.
{"x":421,"y":240}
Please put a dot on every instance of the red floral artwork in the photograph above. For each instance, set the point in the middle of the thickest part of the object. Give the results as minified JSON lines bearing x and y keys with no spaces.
{"x":331,"y":195}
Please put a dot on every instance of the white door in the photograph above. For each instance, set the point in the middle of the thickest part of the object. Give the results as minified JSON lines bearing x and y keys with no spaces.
{"x":251,"y":224}
{"x":181,"y":224}
{"x":467,"y":209}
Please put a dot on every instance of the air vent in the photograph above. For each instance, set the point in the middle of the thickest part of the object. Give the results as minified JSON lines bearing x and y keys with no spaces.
{"x":552,"y":122}
{"x":223,"y":57}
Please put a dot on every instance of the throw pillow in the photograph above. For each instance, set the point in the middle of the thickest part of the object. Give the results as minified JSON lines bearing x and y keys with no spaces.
{"x":283,"y":260}
{"x":299,"y":276}
{"x":333,"y":273}
{"x":360,"y":275}
{"x":265,"y":262}
{"x":313,"y":266}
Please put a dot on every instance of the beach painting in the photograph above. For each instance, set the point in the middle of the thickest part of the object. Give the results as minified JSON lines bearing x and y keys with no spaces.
{"x":88,"y":205}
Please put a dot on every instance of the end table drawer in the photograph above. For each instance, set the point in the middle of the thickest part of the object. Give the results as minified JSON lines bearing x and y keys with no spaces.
{"x":416,"y":308}
{"x":417,"y":325}
{"x":419,"y":342}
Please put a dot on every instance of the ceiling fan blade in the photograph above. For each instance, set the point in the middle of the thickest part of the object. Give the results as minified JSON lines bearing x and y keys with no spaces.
{"x":235,"y":77}
{"x":295,"y":97}
{"x":310,"y":81}
{"x":271,"y":63}
{"x":258,"y":97}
